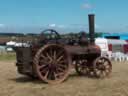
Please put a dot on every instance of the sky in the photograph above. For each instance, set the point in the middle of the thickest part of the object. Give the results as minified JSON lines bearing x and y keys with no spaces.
{"x":63,"y":15}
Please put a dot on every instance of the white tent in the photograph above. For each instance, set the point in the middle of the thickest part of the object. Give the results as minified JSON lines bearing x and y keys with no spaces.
{"x":116,"y":42}
{"x":10,"y":43}
{"x":102,"y":43}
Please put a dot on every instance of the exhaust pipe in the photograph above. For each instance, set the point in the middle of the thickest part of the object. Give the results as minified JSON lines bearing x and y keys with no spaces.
{"x":91,"y":28}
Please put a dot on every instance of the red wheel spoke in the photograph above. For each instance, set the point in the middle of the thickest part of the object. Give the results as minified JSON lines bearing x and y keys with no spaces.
{"x":106,"y":63}
{"x":98,"y":72}
{"x":56,"y":75}
{"x":103,"y":74}
{"x":60,"y":53}
{"x":59,"y":74}
{"x":44,"y":57}
{"x":51,"y":51}
{"x":98,"y":66}
{"x":60,"y":69}
{"x":46,"y":74}
{"x":44,"y":62}
{"x":61,"y":57}
{"x":42,"y":66}
{"x":49,"y":57}
{"x":107,"y":71}
{"x":107,"y":67}
{"x":62,"y":61}
{"x":103,"y":60}
{"x":82,"y":70}
{"x":54,"y":55}
{"x":43,"y":70}
{"x":62,"y":66}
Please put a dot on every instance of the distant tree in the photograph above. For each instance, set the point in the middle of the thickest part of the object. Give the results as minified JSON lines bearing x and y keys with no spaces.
{"x":98,"y":34}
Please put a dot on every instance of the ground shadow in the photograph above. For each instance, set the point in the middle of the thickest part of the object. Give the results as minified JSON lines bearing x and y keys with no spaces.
{"x":76,"y":75}
{"x":26,"y":79}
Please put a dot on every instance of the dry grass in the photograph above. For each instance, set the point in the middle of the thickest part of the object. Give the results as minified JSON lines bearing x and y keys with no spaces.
{"x":14,"y":84}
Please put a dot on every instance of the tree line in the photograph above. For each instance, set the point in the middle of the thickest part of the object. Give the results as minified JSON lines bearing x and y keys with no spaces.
{"x":97,"y":34}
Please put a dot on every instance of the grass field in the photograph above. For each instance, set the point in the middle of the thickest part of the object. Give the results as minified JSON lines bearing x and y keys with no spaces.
{"x":14,"y":84}
{"x":7,"y":56}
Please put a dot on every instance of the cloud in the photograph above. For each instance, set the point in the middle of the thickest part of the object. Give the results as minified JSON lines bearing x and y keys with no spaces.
{"x":2,"y":25}
{"x":56,"y":26}
{"x":61,"y":26}
{"x":87,"y":6}
{"x":97,"y":26}
{"x":52,"y":25}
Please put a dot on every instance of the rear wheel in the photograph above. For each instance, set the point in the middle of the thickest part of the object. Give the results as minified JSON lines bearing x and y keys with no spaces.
{"x":52,"y":63}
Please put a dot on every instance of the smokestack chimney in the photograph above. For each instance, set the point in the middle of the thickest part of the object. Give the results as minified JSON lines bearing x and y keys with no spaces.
{"x":91,"y":28}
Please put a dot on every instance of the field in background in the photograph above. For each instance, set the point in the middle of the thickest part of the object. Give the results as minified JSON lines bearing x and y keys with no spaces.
{"x":14,"y":84}
{"x":7,"y":56}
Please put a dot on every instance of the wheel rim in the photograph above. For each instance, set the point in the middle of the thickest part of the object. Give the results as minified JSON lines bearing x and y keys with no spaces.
{"x":81,"y":67}
{"x":52,"y":64}
{"x":102,"y":67}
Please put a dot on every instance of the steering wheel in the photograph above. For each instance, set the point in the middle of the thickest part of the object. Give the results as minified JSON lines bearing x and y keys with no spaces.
{"x":50,"y":34}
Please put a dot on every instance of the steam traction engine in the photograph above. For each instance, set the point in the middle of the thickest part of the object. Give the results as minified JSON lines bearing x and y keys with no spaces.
{"x":51,"y":57}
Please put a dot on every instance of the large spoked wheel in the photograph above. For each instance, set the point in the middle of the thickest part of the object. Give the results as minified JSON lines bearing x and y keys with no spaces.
{"x":81,"y":67}
{"x":52,"y":63}
{"x":102,"y":67}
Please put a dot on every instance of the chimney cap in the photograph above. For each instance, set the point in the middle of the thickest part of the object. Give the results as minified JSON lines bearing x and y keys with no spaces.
{"x":91,"y":14}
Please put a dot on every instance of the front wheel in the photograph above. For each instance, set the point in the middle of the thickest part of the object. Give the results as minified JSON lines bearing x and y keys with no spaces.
{"x":102,"y":67}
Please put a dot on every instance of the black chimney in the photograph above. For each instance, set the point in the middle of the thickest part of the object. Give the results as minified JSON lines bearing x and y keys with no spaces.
{"x":91,"y":28}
